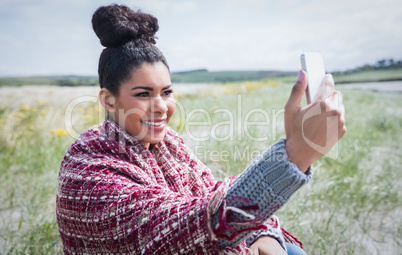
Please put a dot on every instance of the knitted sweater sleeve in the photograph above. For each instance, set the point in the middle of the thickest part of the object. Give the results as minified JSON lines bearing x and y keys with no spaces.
{"x":252,"y":198}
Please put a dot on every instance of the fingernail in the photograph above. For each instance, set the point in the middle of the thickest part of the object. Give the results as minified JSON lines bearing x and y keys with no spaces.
{"x":331,"y":79}
{"x":300,"y":76}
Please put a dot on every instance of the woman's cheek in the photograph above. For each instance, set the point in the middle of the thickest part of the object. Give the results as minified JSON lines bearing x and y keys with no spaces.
{"x":171,"y":108}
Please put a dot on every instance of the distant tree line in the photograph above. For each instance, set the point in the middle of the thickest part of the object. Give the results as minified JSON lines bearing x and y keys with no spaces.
{"x":74,"y":81}
{"x":203,"y":75}
{"x":67,"y":80}
{"x":381,"y":64}
{"x":195,"y":76}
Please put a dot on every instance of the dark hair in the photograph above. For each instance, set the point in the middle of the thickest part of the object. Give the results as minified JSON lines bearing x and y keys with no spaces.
{"x":129,"y":38}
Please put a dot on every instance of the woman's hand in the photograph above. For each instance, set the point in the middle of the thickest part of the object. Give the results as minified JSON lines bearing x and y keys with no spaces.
{"x":266,"y":245}
{"x":311,"y":131}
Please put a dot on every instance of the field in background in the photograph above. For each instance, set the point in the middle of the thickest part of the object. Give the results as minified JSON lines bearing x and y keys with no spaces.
{"x":204,"y":76}
{"x":352,"y":205}
{"x":392,"y":74}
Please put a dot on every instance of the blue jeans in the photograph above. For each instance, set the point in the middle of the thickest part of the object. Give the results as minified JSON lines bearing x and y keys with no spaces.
{"x":294,"y":250}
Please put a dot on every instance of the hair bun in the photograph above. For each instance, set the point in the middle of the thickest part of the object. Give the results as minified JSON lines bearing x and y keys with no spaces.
{"x":117,"y":24}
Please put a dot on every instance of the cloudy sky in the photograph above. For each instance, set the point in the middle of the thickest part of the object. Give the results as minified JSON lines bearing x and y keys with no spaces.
{"x":55,"y":37}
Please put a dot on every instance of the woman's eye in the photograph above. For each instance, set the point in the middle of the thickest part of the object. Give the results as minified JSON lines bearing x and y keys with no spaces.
{"x":143,"y":94}
{"x":167,"y":93}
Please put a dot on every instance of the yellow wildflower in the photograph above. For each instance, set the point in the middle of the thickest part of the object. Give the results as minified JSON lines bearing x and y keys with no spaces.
{"x":25,"y":107}
{"x":20,"y":114}
{"x":232,"y":89}
{"x":273,"y":83}
{"x":254,"y":85}
{"x":60,"y":132}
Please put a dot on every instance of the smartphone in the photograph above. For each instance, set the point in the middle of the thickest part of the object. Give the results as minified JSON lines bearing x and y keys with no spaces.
{"x":313,"y":64}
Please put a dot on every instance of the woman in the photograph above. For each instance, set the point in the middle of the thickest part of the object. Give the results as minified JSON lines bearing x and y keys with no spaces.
{"x":131,"y":186}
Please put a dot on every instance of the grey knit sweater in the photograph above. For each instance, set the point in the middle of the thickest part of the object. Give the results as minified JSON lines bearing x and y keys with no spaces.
{"x":269,"y":182}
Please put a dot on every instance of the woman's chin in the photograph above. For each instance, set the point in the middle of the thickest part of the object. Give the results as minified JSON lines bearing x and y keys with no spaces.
{"x":150,"y":134}
{"x":154,"y":137}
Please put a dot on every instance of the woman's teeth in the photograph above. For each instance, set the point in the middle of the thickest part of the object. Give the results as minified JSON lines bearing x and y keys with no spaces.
{"x":153,"y":123}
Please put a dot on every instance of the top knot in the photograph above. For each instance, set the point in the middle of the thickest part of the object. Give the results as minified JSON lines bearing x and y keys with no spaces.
{"x":116,"y":25}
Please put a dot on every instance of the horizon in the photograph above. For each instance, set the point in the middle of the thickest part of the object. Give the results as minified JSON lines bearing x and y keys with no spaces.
{"x":186,"y":71}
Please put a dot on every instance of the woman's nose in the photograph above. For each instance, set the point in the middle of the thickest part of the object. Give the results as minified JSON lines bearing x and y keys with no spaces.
{"x":158,"y":104}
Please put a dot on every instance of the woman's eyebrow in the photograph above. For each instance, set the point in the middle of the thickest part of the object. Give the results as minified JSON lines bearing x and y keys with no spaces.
{"x":143,"y":87}
{"x":167,"y":86}
{"x":150,"y":88}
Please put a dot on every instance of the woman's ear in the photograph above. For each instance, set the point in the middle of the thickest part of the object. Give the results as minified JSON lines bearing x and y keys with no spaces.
{"x":107,"y":99}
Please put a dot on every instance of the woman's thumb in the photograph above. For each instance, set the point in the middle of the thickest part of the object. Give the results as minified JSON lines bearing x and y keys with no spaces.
{"x":298,"y":90}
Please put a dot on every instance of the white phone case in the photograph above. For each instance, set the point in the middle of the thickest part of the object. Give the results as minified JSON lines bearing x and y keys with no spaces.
{"x":313,"y":64}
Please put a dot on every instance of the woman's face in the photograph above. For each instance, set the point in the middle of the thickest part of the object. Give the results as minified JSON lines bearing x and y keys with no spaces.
{"x":146,"y":103}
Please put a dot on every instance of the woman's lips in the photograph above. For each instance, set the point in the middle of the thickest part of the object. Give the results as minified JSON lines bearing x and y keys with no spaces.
{"x":157,"y":125}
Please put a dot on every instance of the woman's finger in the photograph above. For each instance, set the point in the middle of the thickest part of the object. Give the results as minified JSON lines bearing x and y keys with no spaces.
{"x":297,"y":93}
{"x":326,"y":89}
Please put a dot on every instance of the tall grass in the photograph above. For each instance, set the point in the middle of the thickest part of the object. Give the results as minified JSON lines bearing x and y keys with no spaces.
{"x":32,"y":145}
{"x":30,"y":153}
{"x":352,"y":205}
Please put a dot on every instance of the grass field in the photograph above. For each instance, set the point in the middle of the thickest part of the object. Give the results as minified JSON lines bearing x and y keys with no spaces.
{"x":353,"y":205}
{"x":370,"y":76}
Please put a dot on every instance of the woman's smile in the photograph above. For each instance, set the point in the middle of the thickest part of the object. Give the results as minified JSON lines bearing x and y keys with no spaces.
{"x":156,"y":124}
